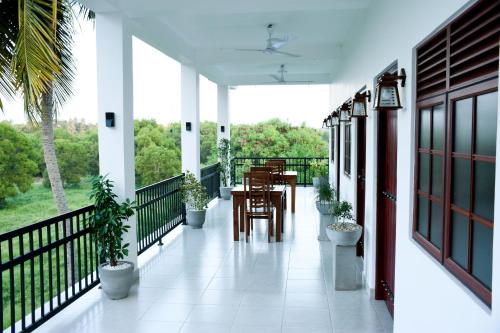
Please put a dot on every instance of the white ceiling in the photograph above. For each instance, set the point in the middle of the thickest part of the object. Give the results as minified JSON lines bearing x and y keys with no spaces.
{"x":205,"y":32}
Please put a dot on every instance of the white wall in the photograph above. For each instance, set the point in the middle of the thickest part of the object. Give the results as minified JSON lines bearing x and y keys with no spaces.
{"x":428,"y":298}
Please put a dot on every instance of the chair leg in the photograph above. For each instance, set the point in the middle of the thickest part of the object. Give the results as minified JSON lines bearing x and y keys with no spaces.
{"x":247,"y":228}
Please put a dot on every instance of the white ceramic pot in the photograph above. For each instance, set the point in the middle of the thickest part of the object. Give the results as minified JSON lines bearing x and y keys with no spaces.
{"x":324,"y":208}
{"x":225,"y":192}
{"x":116,"y":281}
{"x":348,"y":237}
{"x":196,"y":218}
{"x":318,"y":180}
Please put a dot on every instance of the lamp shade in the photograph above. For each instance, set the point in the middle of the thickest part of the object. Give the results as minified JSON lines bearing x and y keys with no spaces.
{"x":387,"y":92}
{"x":345,"y":113}
{"x":358,"y":106}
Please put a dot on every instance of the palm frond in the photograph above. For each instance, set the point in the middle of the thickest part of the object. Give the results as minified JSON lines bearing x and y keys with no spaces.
{"x":35,"y":62}
{"x":8,"y":35}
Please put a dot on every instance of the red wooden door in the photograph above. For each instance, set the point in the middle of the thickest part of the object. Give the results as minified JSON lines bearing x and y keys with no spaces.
{"x":360,"y":181}
{"x":386,"y":207}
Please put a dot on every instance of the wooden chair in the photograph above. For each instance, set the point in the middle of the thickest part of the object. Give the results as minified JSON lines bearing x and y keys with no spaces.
{"x":278,"y":170}
{"x":257,"y":200}
{"x":261,"y":168}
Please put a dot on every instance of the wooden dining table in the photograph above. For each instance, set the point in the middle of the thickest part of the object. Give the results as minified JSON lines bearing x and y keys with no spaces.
{"x":277,"y":194}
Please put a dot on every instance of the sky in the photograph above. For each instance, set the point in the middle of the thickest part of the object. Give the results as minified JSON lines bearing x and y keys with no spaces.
{"x":157,"y":92}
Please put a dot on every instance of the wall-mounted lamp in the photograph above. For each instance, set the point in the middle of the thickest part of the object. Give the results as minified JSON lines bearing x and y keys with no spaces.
{"x":345,"y":112}
{"x":110,"y":119}
{"x":334,"y":120}
{"x":188,"y":126}
{"x":222,"y":129}
{"x":358,"y":106}
{"x":387,"y":92}
{"x":326,"y":122}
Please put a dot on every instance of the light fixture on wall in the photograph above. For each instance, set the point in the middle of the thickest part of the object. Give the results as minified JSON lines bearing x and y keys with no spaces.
{"x":325,"y":122}
{"x":345,"y":112}
{"x":358,"y":106}
{"x":387,"y":92}
{"x":334,"y":119}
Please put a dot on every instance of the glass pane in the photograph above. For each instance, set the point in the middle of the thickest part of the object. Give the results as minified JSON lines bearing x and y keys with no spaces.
{"x":423,"y":223}
{"x":423,"y":179}
{"x":486,"y":124}
{"x":425,"y":128}
{"x":459,"y":239}
{"x":436,"y":224}
{"x":482,"y":250}
{"x":484,"y":189}
{"x":437,"y":175}
{"x":461,"y":183}
{"x":463,"y":126}
{"x":438,"y":127}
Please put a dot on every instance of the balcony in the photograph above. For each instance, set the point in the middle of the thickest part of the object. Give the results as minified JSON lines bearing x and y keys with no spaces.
{"x":203,"y":281}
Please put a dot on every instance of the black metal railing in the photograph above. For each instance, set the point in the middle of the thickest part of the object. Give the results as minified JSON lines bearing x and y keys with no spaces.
{"x":300,"y":164}
{"x":210,"y":178}
{"x":159,"y":210}
{"x":45,"y":267}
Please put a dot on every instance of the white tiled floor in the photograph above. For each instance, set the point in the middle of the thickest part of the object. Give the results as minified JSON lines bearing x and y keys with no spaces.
{"x":202,"y":281}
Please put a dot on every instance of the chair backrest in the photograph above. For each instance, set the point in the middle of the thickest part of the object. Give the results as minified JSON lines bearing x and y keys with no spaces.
{"x":257,"y":191}
{"x":278,"y":169}
{"x":261,"y":168}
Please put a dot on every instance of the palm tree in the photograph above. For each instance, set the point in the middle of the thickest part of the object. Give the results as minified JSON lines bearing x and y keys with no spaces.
{"x":36,"y":61}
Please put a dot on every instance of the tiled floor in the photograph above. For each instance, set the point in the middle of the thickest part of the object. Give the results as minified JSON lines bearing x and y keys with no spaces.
{"x":202,"y":281}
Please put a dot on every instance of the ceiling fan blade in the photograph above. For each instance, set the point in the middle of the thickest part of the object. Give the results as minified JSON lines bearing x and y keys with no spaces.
{"x":280,"y":42}
{"x":276,"y":77}
{"x":286,"y":53}
{"x":250,"y":50}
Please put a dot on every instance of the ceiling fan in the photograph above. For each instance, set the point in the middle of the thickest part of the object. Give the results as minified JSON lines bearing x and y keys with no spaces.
{"x":273,"y":44}
{"x":280,"y":78}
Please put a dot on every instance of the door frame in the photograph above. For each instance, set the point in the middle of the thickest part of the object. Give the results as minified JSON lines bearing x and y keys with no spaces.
{"x":360,"y":156}
{"x":379,"y":229}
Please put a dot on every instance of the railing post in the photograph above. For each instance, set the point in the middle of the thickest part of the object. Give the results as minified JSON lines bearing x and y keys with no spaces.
{"x":233,"y":171}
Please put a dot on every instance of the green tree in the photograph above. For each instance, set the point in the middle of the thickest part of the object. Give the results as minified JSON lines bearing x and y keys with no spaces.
{"x":17,"y":166}
{"x":208,"y":143}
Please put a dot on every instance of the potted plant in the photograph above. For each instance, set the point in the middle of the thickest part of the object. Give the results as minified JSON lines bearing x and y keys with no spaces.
{"x":343,"y":233}
{"x":107,"y":224}
{"x":319,"y":172}
{"x":224,"y":168}
{"x":195,"y":196}
{"x":325,"y":198}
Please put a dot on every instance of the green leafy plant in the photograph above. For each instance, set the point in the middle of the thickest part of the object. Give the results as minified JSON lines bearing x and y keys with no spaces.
{"x":343,"y":210}
{"x":194,"y":194}
{"x":107,"y":223}
{"x":318,"y":168}
{"x":325,"y":193}
{"x":225,"y":163}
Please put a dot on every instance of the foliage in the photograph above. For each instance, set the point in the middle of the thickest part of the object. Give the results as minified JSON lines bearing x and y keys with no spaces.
{"x":343,"y":210}
{"x":107,"y":223}
{"x":71,"y":157}
{"x":275,"y":138}
{"x":194,"y":194}
{"x":157,"y":156}
{"x":319,"y":168}
{"x":17,"y":166}
{"x":208,"y":143}
{"x":325,"y":193}
{"x":225,"y":163}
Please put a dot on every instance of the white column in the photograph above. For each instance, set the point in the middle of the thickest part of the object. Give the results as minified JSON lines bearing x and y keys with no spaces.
{"x":114,"y":94}
{"x":190,"y":115}
{"x":223,"y":113}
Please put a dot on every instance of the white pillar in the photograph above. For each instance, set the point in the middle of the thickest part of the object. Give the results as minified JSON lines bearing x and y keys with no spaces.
{"x":190,"y":116}
{"x":223,"y":113}
{"x":114,"y":94}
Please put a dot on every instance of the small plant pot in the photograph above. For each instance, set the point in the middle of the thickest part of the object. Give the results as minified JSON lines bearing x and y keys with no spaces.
{"x":196,"y":218}
{"x":116,"y":281}
{"x":344,"y":234}
{"x":225,"y":192}
{"x":318,"y":180}
{"x":324,"y":208}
